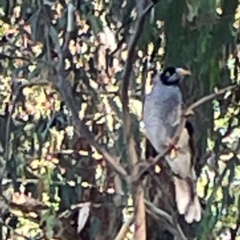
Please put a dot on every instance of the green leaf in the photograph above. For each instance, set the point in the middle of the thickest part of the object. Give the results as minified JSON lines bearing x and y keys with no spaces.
{"x":34,"y":22}
{"x":95,"y":227}
{"x":115,"y":106}
{"x":55,"y":38}
{"x":50,"y":221}
{"x":95,"y":23}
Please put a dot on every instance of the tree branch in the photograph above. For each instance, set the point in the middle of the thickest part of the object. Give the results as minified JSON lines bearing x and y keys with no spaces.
{"x":124,"y":229}
{"x":127,"y":77}
{"x":210,"y":97}
{"x":167,"y":217}
{"x":137,"y":190}
{"x":64,"y":89}
{"x":130,"y":58}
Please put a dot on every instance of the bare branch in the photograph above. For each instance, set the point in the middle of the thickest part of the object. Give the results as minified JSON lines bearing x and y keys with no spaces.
{"x":131,"y":55}
{"x":124,"y":230}
{"x":165,"y":216}
{"x":129,"y":140}
{"x":64,"y":89}
{"x":33,"y":82}
{"x":210,"y":97}
{"x":137,"y":189}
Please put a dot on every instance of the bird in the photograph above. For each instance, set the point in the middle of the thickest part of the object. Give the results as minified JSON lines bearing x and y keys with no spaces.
{"x":162,"y":115}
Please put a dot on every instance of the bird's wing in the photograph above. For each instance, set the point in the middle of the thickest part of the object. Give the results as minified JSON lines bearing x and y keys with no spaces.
{"x":182,"y":163}
{"x":161,"y":117}
{"x":173,"y":111}
{"x":185,"y":192}
{"x":156,"y":130}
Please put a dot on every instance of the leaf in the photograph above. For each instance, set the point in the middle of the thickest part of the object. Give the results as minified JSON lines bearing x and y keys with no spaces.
{"x":115,"y":106}
{"x":95,"y":23}
{"x":42,"y":129}
{"x":34,"y":22}
{"x":148,"y":35}
{"x":61,"y":23}
{"x":192,"y":9}
{"x":54,"y":35}
{"x":95,"y":227}
{"x":238,"y":204}
{"x":83,"y":215}
{"x":79,"y":188}
{"x":66,"y":193}
{"x":29,"y":127}
{"x":51,"y":221}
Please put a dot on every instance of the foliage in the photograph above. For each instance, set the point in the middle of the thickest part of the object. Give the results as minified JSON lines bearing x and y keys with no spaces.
{"x":57,"y":179}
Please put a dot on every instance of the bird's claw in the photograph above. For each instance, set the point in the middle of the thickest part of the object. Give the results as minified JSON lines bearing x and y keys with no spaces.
{"x":174,"y":149}
{"x":173,"y":153}
{"x":189,"y":113}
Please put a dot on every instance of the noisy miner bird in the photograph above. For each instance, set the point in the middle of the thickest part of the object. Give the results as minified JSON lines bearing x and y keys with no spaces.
{"x":161,"y":117}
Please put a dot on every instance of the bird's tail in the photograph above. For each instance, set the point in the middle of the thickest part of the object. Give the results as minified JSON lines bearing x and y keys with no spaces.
{"x":187,"y":200}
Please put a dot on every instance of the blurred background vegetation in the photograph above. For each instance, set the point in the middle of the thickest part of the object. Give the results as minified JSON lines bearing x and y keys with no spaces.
{"x":59,"y":184}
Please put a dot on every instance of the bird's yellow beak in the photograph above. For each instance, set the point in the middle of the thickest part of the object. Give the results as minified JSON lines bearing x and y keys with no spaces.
{"x":182,"y":72}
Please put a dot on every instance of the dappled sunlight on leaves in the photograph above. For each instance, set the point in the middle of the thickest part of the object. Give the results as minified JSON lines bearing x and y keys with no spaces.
{"x":56,"y":182}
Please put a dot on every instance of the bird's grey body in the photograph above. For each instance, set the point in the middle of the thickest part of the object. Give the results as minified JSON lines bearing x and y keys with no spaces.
{"x":162,"y":113}
{"x":162,"y":116}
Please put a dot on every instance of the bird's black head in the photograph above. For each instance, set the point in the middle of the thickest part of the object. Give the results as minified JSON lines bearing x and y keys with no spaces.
{"x":172,"y":75}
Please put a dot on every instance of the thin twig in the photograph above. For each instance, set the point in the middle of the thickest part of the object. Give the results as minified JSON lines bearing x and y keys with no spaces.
{"x":27,"y":59}
{"x":143,"y":82}
{"x":161,"y":155}
{"x":211,"y":97}
{"x":167,"y":225}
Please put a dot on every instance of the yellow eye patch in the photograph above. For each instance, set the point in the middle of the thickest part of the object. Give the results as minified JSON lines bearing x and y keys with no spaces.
{"x":168,"y":74}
